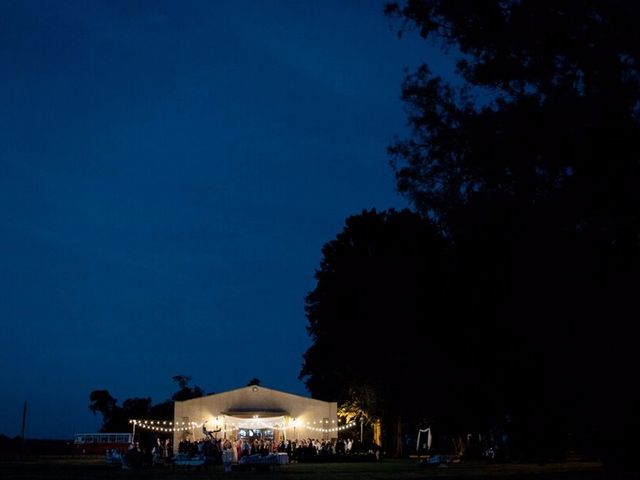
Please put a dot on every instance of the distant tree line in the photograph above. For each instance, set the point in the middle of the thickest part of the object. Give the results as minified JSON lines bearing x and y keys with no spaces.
{"x":14,"y":446}
{"x":510,"y":295}
{"x":115,"y":418}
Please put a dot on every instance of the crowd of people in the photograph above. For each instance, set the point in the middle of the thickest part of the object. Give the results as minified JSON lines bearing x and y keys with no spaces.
{"x":310,"y":449}
{"x":136,"y":456}
{"x":216,"y":451}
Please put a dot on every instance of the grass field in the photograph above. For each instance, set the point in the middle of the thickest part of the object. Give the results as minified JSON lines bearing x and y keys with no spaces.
{"x":63,"y":468}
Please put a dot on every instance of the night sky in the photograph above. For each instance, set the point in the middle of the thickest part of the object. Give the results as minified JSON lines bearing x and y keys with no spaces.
{"x":169,"y":174}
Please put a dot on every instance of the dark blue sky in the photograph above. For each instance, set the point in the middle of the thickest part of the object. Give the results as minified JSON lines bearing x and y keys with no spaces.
{"x":169,"y":174}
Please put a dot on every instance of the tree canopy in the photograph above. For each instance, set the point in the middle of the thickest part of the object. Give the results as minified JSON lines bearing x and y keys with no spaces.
{"x":186,"y":392}
{"x":525,"y":172}
{"x":115,"y":418}
{"x":547,"y":110}
{"x":529,"y":163}
{"x":380,"y":282}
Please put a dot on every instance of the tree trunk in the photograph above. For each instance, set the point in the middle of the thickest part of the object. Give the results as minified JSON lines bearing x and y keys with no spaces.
{"x":398,"y":438}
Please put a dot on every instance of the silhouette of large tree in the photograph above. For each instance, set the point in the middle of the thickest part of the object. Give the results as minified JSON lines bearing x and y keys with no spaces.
{"x":529,"y":163}
{"x":548,"y":107}
{"x":116,"y":418}
{"x":377,"y":304}
{"x":104,"y":403}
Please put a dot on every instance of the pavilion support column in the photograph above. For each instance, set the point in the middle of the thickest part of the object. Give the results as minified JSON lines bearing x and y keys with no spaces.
{"x":377,"y":432}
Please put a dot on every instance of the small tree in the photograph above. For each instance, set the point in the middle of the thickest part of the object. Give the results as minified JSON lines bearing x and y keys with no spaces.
{"x":186,"y":392}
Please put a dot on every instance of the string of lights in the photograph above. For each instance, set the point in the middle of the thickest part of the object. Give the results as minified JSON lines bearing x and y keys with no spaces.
{"x":163,"y":425}
{"x":167,"y":426}
{"x":332,"y":429}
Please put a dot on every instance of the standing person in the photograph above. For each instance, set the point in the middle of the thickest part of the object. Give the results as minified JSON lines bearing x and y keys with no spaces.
{"x":227,"y":456}
{"x":246,"y":448}
{"x":167,"y":451}
{"x":156,"y":453}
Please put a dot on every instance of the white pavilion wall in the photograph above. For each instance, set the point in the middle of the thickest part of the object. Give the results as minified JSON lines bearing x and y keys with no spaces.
{"x":307,"y":417}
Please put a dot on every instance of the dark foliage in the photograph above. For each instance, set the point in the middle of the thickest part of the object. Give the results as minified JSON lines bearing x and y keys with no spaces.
{"x":33,"y":446}
{"x":186,"y":392}
{"x":377,"y":304}
{"x":532,"y":168}
{"x":527,"y":169}
{"x":116,"y":418}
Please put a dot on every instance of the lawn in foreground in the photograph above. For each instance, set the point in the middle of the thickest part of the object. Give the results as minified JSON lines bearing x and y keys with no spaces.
{"x":62,"y":468}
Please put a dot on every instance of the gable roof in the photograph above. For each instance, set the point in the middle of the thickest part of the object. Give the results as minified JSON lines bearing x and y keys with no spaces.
{"x":256,"y":389}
